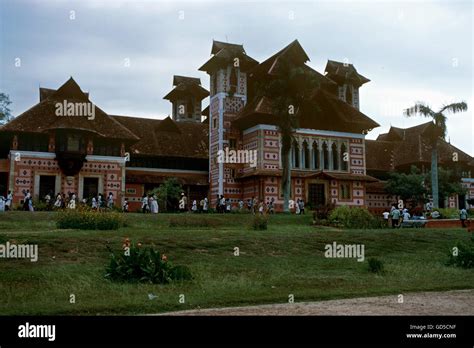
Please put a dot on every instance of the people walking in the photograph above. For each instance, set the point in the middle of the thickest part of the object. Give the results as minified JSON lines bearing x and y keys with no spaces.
{"x":110,"y":200}
{"x":8,"y":202}
{"x":395,"y":217}
{"x":125,"y":205}
{"x":463,"y":217}
{"x":145,"y":204}
{"x":153,"y":205}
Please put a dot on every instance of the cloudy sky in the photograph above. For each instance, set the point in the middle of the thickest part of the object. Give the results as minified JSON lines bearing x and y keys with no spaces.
{"x":126,"y":52}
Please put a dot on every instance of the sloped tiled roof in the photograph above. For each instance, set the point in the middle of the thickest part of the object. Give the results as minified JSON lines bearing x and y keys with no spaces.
{"x":405,"y":146}
{"x":325,"y":112}
{"x":341,"y":72}
{"x":167,"y":137}
{"x":224,"y":53}
{"x":186,"y":86}
{"x":42,"y":117}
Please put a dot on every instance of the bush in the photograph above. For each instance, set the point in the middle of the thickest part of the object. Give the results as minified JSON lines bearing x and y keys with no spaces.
{"x":354,"y":218}
{"x":260,"y":222}
{"x":322,"y":212}
{"x":464,"y":257}
{"x":86,"y":219}
{"x":448,"y":213}
{"x":375,"y":265}
{"x":143,"y":264}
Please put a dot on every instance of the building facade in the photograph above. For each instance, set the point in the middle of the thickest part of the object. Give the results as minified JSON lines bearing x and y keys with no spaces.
{"x":60,"y":146}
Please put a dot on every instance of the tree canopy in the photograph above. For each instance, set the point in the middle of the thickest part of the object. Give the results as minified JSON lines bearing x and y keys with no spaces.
{"x":5,"y":112}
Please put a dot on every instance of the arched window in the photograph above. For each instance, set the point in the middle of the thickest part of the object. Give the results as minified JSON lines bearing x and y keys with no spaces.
{"x":335,"y":157}
{"x":325,"y":156}
{"x":344,"y":157}
{"x":349,"y":94}
{"x":307,"y":159}
{"x":295,"y":155}
{"x":316,"y":155}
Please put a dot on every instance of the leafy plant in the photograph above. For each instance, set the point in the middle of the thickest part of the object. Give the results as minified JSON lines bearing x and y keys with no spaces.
{"x":353,"y":218}
{"x":463,"y":257}
{"x":260,"y":222}
{"x":143,"y":264}
{"x":168,"y":194}
{"x":87,"y":219}
{"x":322,"y":212}
{"x":375,"y":265}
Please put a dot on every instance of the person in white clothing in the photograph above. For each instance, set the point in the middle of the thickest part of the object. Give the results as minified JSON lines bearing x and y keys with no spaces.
{"x":94,"y":203}
{"x":72,"y":202}
{"x":194,"y":207}
{"x":58,"y":202}
{"x":153,"y":205}
{"x":206,"y":205}
{"x":110,"y":201}
{"x":145,"y":204}
{"x":8,"y":202}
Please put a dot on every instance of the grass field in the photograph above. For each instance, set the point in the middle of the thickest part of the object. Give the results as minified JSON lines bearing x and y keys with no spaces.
{"x":288,"y":258}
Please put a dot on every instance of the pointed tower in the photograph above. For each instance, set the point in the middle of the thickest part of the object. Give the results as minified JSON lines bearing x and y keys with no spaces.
{"x":348,"y":81}
{"x":227,"y":68}
{"x":186,"y":98}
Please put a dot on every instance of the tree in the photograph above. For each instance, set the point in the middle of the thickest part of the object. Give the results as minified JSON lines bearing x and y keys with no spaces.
{"x":5,"y":112}
{"x":439,"y":119}
{"x":168,"y":193}
{"x":449,"y":183}
{"x":407,"y":186}
{"x":289,"y":91}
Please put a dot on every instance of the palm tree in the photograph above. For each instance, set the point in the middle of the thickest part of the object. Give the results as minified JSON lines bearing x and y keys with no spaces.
{"x":288,"y":91}
{"x":439,"y":119}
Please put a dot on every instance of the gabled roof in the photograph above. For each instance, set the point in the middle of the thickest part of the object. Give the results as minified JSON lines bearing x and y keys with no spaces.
{"x":167,"y":125}
{"x":42,"y":117}
{"x":219,"y":45}
{"x":293,"y":52}
{"x":341,"y":72}
{"x":166,"y":137}
{"x":186,"y":86}
{"x":47,"y":92}
{"x":406,"y":146}
{"x":177,"y":79}
{"x":224,"y":54}
{"x":323,"y":112}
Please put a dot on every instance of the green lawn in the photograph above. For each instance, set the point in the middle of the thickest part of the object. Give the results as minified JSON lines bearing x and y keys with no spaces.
{"x":286,"y":259}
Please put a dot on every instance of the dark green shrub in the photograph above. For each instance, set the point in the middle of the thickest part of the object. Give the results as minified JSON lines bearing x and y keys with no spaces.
{"x":144,"y":265}
{"x":355,"y":217}
{"x":375,"y":265}
{"x":322,"y":212}
{"x":260,"y":222}
{"x":464,"y":257}
{"x":86,"y":219}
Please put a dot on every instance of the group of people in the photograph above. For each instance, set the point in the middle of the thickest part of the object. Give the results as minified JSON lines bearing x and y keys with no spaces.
{"x":70,"y":201}
{"x":399,"y":215}
{"x":6,"y":202}
{"x":396,"y":216}
{"x":149,"y":204}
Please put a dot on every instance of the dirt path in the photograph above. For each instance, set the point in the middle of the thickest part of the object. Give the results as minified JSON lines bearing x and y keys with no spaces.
{"x":459,"y":302}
